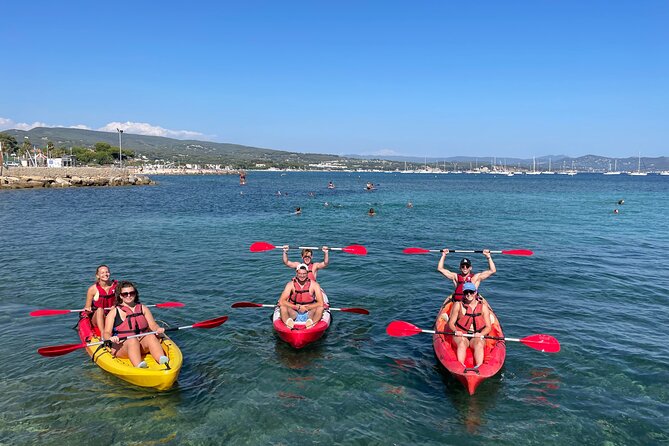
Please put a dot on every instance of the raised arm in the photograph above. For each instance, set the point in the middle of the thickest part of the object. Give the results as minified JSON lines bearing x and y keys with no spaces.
{"x":287,"y":262}
{"x":440,"y":267}
{"x":483,"y":275}
{"x":326,"y":259}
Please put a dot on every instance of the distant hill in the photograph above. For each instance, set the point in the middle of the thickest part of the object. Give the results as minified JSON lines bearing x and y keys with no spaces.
{"x":169,"y":149}
{"x":236,"y":155}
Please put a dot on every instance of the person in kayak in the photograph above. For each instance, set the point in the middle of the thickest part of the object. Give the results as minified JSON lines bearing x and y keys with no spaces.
{"x":130,"y":317}
{"x":472,"y":316}
{"x":371,"y":212}
{"x":301,"y":300}
{"x":307,"y":256}
{"x":99,"y":296}
{"x":465,"y":274}
{"x":331,"y":185}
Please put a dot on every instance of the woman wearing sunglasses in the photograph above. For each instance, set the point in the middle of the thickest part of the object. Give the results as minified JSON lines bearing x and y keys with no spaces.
{"x":129,"y":317}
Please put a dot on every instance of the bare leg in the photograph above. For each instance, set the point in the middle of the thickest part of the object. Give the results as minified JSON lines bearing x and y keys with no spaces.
{"x":99,"y":319}
{"x":478,"y":345}
{"x":462,"y":346}
{"x":287,"y":312}
{"x":134,"y":350}
{"x":315,"y":314}
{"x":152,"y":344}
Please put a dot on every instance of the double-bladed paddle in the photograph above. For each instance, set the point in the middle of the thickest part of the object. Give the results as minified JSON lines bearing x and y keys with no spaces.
{"x":358,"y":250}
{"x":39,"y":313}
{"x":541,"y":342}
{"x":255,"y":305}
{"x":509,"y":252}
{"x":60,"y":350}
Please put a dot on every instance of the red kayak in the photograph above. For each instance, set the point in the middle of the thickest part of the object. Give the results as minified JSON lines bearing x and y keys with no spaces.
{"x":444,"y":349}
{"x":300,"y":336}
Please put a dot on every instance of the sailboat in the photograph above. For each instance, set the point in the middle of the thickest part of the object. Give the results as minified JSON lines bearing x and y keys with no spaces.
{"x":549,"y":171}
{"x":615,"y":170}
{"x":638,"y":173}
{"x":534,"y":168}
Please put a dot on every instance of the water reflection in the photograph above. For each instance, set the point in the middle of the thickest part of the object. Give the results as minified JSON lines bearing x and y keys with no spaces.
{"x":544,"y":384}
{"x":471,"y":409}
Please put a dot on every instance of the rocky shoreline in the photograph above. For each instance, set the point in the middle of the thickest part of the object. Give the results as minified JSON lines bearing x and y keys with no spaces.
{"x":41,"y":177}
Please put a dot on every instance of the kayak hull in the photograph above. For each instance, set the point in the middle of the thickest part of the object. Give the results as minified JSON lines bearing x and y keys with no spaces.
{"x":300,"y":336}
{"x":156,"y":376}
{"x":445,"y":351}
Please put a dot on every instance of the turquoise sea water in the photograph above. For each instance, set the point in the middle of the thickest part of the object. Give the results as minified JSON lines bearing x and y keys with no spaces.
{"x":598,"y":282}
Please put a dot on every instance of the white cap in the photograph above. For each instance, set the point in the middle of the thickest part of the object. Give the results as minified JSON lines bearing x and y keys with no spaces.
{"x":302,"y":266}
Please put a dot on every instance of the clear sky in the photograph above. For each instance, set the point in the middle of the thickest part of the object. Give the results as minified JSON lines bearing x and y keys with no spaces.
{"x":423,"y":78}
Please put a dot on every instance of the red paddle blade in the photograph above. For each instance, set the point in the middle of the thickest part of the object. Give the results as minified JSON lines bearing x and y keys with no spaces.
{"x":416,"y":251}
{"x":542,"y":342}
{"x":518,"y":252}
{"x":354,"y":310}
{"x":246,"y":305}
{"x":169,"y":305}
{"x":401,"y":328}
{"x":39,"y":313}
{"x":211,"y":323}
{"x":261,"y":246}
{"x":358,"y":250}
{"x":59,"y":350}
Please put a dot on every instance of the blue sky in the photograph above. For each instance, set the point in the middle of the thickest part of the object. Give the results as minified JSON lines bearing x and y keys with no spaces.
{"x":444,"y":78}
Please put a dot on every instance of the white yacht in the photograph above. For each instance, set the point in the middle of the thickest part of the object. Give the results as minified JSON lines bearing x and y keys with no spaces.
{"x":638,"y":172}
{"x":615,"y":170}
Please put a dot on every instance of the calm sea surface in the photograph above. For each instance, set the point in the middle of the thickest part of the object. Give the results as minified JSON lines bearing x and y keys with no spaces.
{"x":598,"y":282}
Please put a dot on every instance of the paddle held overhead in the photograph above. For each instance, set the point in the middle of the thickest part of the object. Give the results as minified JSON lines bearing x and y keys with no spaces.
{"x":358,"y":250}
{"x":60,"y":350}
{"x":510,"y":252}
{"x":541,"y":342}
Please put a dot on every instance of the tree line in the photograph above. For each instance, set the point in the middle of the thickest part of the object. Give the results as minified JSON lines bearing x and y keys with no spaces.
{"x":101,"y":153}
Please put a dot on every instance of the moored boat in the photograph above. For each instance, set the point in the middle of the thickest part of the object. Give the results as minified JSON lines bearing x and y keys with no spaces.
{"x":444,"y":349}
{"x":300,"y":336}
{"x":156,"y":376}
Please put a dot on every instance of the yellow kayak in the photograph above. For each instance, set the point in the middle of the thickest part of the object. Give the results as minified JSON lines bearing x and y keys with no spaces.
{"x":156,"y":376}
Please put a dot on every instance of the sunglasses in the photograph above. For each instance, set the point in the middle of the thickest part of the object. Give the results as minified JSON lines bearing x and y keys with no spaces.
{"x":468,"y":292}
{"x":128,"y":294}
{"x":306,"y":257}
{"x":465,"y":266}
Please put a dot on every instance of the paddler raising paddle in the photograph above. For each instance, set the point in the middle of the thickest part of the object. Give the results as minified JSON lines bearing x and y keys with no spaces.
{"x":301,"y":300}
{"x":470,"y":315}
{"x":307,"y":256}
{"x":466,"y":275}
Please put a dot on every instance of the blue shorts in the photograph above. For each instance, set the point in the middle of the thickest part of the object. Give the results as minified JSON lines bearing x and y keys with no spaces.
{"x":302,"y":317}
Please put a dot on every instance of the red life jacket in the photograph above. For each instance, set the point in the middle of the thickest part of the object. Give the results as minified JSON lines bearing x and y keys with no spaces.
{"x":472,"y":322}
{"x":106,"y":298}
{"x":297,"y":296}
{"x":457,"y":294}
{"x":135,"y":322}
{"x":310,"y":268}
